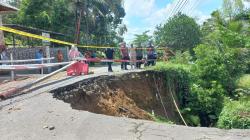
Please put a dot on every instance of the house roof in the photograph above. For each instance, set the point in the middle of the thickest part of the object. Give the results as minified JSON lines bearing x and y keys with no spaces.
{"x":6,"y":8}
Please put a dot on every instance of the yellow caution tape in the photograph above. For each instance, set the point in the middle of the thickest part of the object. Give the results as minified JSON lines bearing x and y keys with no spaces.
{"x":34,"y":35}
{"x":7,"y":29}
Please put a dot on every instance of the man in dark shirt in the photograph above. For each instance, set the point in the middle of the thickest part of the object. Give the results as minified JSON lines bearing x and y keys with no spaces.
{"x":151,"y":55}
{"x":110,"y":55}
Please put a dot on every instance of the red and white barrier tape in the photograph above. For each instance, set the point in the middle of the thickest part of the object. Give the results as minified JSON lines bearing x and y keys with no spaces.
{"x":39,"y":66}
{"x":30,"y":66}
{"x":28,"y":60}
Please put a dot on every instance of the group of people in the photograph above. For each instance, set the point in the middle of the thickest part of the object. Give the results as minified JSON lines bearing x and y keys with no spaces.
{"x":132,"y":55}
{"x":135,"y":56}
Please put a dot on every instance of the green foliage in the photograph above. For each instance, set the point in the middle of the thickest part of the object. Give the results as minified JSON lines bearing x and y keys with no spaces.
{"x":220,"y":61}
{"x":235,"y":114}
{"x":180,"y":32}
{"x":99,"y":22}
{"x":206,"y":102}
{"x":160,"y":119}
{"x":177,"y":79}
{"x":142,"y":39}
{"x":190,"y":117}
{"x":244,"y":81}
{"x":224,"y":65}
{"x":36,"y":13}
{"x":181,"y":58}
{"x":232,"y":7}
{"x":235,"y":26}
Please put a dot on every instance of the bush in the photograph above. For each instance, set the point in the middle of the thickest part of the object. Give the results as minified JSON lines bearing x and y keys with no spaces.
{"x":235,"y":114}
{"x":177,"y":77}
{"x":221,"y":64}
{"x":207,"y":103}
{"x":181,"y":58}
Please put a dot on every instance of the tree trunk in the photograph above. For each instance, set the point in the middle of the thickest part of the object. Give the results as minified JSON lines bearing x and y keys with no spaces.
{"x":78,"y":27}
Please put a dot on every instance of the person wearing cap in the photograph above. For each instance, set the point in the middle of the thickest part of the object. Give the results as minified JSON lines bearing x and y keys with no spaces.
{"x":125,"y":56}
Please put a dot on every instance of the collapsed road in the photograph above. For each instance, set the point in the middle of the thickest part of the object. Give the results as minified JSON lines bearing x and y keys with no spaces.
{"x":120,"y":101}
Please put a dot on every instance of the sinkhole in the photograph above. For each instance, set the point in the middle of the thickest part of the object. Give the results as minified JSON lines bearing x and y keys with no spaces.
{"x":137,"y":95}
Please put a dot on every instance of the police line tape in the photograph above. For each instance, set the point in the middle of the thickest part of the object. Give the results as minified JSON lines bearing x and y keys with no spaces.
{"x":22,"y":33}
{"x":7,"y":29}
{"x":40,"y":66}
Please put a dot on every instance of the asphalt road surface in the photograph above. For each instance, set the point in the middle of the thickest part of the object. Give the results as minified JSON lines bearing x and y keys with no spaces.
{"x":39,"y":116}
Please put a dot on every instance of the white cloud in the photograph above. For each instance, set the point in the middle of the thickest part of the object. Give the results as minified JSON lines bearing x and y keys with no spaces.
{"x":200,"y":17}
{"x":246,"y":4}
{"x":152,"y":16}
{"x":159,"y":16}
{"x":140,"y":8}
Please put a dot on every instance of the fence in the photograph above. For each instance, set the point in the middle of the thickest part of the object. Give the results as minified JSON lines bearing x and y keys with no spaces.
{"x":29,"y":53}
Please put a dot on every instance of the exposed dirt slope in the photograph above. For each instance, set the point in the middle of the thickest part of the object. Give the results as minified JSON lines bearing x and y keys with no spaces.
{"x":132,"y":95}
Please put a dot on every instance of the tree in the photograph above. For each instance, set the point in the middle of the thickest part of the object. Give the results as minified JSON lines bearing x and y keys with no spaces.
{"x":15,"y":3}
{"x":180,"y":32}
{"x":122,"y":29}
{"x":36,"y":13}
{"x":232,"y":7}
{"x":99,"y":18}
{"x":142,"y":39}
{"x":108,"y":11}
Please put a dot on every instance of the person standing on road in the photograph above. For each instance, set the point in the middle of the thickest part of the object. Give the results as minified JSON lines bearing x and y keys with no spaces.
{"x":125,"y":56}
{"x":132,"y":55}
{"x":110,"y":56}
{"x":151,"y":55}
{"x":39,"y":55}
{"x":139,"y":56}
{"x":59,"y":56}
{"x":74,"y":53}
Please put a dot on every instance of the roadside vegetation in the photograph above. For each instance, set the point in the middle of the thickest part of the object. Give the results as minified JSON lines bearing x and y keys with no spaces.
{"x":213,"y":65}
{"x":211,"y":62}
{"x":100,"y":21}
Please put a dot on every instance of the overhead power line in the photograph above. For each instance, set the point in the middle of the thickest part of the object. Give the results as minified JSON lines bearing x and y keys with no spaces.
{"x":194,"y":6}
{"x":178,"y":7}
{"x":182,"y":6}
{"x":175,"y":4}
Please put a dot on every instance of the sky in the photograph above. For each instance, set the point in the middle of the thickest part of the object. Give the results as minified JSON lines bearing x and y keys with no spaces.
{"x":142,"y":15}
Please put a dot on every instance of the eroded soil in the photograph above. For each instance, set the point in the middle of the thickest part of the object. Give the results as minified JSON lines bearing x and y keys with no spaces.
{"x":132,"y":95}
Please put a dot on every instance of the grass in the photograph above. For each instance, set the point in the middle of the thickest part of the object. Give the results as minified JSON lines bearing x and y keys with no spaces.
{"x":167,"y":65}
{"x":244,"y":81}
{"x":161,"y":119}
